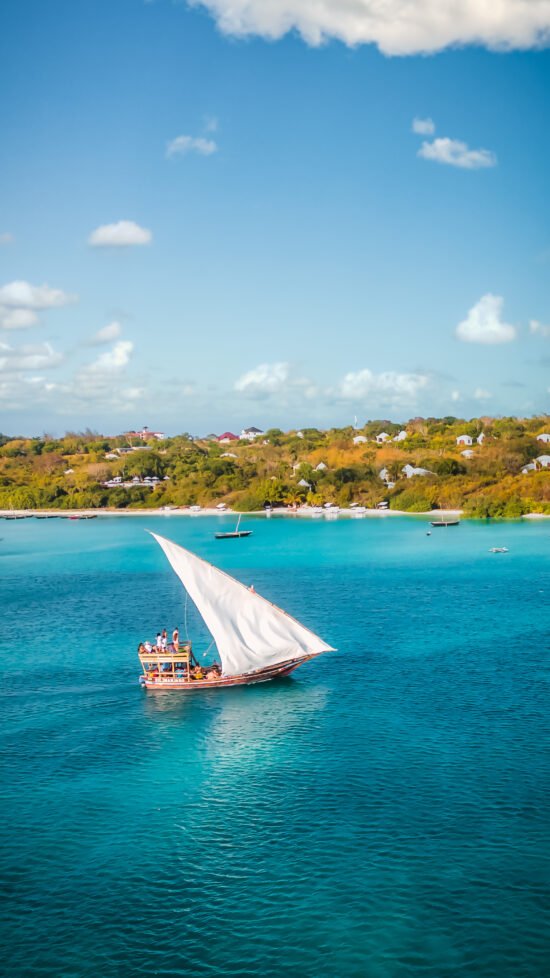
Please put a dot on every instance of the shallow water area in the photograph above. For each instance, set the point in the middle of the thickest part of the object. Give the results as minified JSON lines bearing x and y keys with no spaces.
{"x":382,"y":813}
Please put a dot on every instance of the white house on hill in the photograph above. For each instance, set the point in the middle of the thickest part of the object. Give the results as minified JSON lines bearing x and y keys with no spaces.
{"x":359,"y":440}
{"x":382,"y":437}
{"x":464,"y":440}
{"x":411,"y":470}
{"x":384,"y":475}
{"x":543,"y":460}
{"x":530,"y":467}
{"x":468,"y":453}
{"x":480,"y":438}
{"x":321,"y":467}
{"x":544,"y":437}
{"x":146,"y":435}
{"x":249,"y":434}
{"x":401,"y":436}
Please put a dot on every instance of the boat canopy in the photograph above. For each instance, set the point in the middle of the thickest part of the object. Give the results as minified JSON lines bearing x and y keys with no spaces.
{"x":249,"y":631}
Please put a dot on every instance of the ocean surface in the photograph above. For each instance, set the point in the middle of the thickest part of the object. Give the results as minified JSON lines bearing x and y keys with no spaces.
{"x":383,"y":813}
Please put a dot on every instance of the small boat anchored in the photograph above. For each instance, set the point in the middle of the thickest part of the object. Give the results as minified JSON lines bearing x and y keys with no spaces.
{"x":233,"y":534}
{"x":498,"y":550}
{"x":256,"y":640}
{"x":444,"y":522}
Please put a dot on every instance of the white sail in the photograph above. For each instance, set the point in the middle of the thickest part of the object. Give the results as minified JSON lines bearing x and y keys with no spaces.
{"x":249,"y":631}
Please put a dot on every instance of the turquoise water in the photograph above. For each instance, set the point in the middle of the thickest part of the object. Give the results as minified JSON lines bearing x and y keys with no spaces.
{"x":383,"y":813}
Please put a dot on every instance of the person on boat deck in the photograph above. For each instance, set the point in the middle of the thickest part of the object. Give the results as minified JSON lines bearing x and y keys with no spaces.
{"x":176,"y":639}
{"x":212,"y":674}
{"x":198,"y":673}
{"x":158,"y":644}
{"x":163,"y":639}
{"x":147,"y":646}
{"x":141,"y":648}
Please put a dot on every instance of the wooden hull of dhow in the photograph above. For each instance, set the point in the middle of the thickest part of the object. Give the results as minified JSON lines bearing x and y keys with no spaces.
{"x":246,"y":679}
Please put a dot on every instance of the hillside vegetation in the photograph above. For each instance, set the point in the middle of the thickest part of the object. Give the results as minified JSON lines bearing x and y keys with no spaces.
{"x":71,"y":472}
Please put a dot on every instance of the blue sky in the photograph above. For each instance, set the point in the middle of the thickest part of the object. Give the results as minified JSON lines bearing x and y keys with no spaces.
{"x":204,"y":225}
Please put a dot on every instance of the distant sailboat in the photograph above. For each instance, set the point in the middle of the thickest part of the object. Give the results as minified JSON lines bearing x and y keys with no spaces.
{"x":233,"y":534}
{"x":256,"y":640}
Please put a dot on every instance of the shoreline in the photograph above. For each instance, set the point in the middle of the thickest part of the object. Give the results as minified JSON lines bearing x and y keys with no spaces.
{"x":305,"y":512}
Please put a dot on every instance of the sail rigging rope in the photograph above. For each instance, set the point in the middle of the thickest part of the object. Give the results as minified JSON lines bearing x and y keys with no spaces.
{"x":204,"y":654}
{"x":187,"y":631}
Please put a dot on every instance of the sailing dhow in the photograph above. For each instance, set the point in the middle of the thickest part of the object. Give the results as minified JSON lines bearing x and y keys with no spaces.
{"x":256,"y":640}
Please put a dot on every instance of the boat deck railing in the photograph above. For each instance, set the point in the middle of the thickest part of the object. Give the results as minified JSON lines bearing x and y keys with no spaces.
{"x":181,"y":655}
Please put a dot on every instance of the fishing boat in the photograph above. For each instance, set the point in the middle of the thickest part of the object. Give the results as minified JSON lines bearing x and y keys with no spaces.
{"x":498,"y":550}
{"x":256,"y":640}
{"x":233,"y":534}
{"x":444,"y":522}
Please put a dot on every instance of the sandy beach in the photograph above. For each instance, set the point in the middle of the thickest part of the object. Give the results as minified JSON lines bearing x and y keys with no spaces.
{"x":306,"y":512}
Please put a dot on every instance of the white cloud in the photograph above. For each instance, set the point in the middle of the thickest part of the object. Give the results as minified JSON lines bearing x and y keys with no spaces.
{"x":453,"y":152}
{"x":277,"y":380}
{"x":132,"y":393}
{"x":6,"y":237}
{"x":107,"y":333}
{"x":182,"y":145}
{"x":539,"y":329}
{"x":482,"y":395}
{"x":384,"y":388}
{"x":112,"y":360}
{"x":38,"y":357}
{"x":455,"y":396}
{"x":98,"y":386}
{"x":23,"y":294}
{"x":19,"y":301}
{"x":484,"y":323}
{"x":424,"y":127}
{"x":17,"y":318}
{"x":266,"y":379}
{"x":122,"y":234}
{"x":100,"y":383}
{"x":396,"y":26}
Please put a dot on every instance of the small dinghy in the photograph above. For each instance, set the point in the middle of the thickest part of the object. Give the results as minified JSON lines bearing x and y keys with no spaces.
{"x":256,"y":640}
{"x":498,"y":550}
{"x":444,"y":522}
{"x":79,"y":516}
